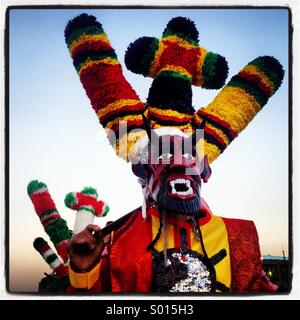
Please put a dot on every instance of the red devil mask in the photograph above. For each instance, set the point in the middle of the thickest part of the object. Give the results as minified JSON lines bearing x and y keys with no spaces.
{"x":172,"y":170}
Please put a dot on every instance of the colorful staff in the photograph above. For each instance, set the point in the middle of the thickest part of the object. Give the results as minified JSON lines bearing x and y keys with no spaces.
{"x":50,"y":257}
{"x":54,"y":225}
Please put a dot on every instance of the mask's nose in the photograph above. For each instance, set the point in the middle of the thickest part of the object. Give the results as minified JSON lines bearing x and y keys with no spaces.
{"x":184,"y":165}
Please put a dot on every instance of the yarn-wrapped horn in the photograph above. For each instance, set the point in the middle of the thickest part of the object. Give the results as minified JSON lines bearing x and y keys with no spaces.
{"x":238,"y":103}
{"x":116,"y":104}
{"x":176,"y":62}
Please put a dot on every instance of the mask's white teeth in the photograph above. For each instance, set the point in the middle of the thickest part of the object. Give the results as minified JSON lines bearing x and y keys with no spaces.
{"x":190,"y":191}
{"x":181,"y":181}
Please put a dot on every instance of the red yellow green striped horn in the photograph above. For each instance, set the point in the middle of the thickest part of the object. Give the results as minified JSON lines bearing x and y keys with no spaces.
{"x":176,"y":62}
{"x":100,"y":72}
{"x":238,"y":103}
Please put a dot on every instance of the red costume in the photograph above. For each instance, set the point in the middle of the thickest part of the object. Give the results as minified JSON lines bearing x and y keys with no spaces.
{"x":128,"y":266}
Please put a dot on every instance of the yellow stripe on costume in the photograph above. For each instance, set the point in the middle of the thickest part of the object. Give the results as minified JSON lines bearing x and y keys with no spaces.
{"x":91,"y":63}
{"x":168,"y":112}
{"x":199,"y":80}
{"x":159,"y":245}
{"x":235,"y":106}
{"x":87,"y":38}
{"x":264,"y":79}
{"x":116,"y":105}
{"x":215,"y":238}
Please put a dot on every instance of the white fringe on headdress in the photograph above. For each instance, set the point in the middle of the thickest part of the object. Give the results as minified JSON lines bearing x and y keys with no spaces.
{"x":145,"y":191}
{"x":166,"y":131}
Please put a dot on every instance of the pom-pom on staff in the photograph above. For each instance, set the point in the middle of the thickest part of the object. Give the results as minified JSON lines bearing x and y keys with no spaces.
{"x":87,"y":207}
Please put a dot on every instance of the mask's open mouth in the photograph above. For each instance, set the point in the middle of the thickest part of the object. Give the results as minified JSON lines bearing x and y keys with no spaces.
{"x":181,"y":187}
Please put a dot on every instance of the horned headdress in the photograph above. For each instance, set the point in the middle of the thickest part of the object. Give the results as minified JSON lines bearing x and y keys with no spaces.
{"x":175,"y":62}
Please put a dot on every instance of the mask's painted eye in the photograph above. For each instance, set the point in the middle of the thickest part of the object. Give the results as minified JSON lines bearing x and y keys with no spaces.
{"x":165,"y":156}
{"x":188,"y":156}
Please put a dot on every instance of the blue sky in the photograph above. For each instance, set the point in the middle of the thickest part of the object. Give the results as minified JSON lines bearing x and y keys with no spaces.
{"x":55,"y":136}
